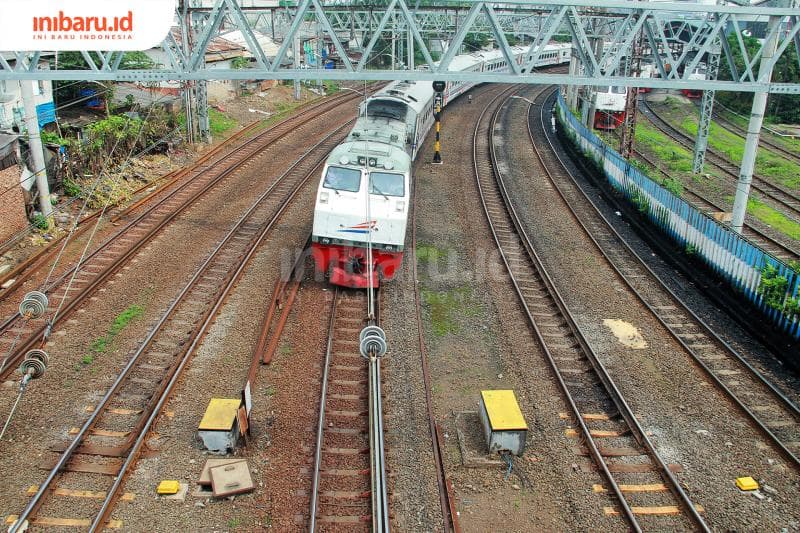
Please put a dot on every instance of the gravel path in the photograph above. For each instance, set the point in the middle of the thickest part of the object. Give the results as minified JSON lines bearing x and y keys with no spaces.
{"x":477,"y":339}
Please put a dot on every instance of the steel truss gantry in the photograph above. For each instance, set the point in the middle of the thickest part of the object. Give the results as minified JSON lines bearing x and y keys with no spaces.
{"x":661,"y":24}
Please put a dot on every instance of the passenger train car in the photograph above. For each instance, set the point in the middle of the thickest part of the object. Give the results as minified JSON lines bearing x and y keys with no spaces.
{"x":699,"y":73}
{"x":609,"y":104}
{"x":364,"y":194}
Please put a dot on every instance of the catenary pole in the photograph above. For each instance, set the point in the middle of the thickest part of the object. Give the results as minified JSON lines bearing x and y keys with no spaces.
{"x":754,"y":127}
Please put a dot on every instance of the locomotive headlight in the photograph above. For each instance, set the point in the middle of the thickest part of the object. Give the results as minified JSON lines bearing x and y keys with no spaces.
{"x":344,"y":160}
{"x":399,"y":206}
{"x":323,"y":197}
{"x":388,"y":165}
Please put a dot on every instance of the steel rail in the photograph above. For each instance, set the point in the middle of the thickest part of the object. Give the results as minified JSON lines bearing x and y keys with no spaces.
{"x":380,"y":498}
{"x":39,"y":334}
{"x":23,"y":270}
{"x":449,"y":516}
{"x":613,"y":392}
{"x":208,"y":319}
{"x":379,"y":502}
{"x":759,"y":183}
{"x":321,"y":423}
{"x":756,"y":236}
{"x":767,"y":143}
{"x":740,"y":360}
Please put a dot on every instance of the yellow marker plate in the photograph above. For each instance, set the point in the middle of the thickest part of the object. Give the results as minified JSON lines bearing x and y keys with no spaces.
{"x":220,"y":414}
{"x":168,"y":486}
{"x":503,"y":410}
{"x":746,"y":483}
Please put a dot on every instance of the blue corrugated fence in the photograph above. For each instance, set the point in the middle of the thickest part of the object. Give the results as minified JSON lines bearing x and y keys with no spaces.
{"x":729,"y":254}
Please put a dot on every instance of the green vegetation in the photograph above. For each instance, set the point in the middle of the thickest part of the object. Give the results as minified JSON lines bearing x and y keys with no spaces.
{"x":675,"y":157}
{"x":219,"y":122}
{"x":53,"y":138}
{"x":773,"y":288}
{"x":331,"y":86}
{"x":774,"y":218}
{"x":446,"y":306}
{"x":787,"y":142}
{"x":71,"y":188}
{"x":780,"y":107}
{"x":102,"y":344}
{"x":40,"y":222}
{"x":428,"y":253}
{"x":124,"y":318}
{"x":108,"y":142}
{"x":732,"y":146}
{"x":240,"y":62}
{"x":641,"y":201}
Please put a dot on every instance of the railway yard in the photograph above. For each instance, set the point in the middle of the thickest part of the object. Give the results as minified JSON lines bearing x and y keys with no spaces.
{"x":644,"y":400}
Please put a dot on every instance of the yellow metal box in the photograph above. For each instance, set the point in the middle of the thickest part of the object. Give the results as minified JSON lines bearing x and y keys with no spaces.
{"x":746,"y":483}
{"x":168,"y":486}
{"x":219,"y":429}
{"x":503,"y":424}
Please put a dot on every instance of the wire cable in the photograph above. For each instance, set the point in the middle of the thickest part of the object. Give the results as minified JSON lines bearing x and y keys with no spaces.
{"x":94,"y":230}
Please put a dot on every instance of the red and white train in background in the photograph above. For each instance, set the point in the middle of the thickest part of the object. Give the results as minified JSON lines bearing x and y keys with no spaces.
{"x":365,"y":192}
{"x":609,"y":101}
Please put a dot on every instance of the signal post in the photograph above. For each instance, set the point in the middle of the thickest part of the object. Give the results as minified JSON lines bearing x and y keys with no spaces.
{"x":438,"y":99}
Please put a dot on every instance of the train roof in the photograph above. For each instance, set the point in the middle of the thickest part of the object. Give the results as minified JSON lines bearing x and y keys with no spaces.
{"x":463,"y":62}
{"x":415,"y":94}
{"x":349,"y":151}
{"x":379,"y":130}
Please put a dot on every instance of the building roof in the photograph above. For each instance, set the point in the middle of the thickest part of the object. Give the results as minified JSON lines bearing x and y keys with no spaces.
{"x":219,"y":49}
{"x":266,"y":43}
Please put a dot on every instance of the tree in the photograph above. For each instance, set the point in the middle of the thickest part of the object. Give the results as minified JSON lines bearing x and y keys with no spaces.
{"x":780,"y":107}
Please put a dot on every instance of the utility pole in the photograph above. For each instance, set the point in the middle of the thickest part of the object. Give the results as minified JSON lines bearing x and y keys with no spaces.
{"x":410,"y":47}
{"x":754,"y":127}
{"x":36,"y":149}
{"x":706,"y":113}
{"x":590,"y":106}
{"x":188,"y":101}
{"x":632,"y":68}
{"x":296,"y":50}
{"x":203,"y":121}
{"x":706,"y":105}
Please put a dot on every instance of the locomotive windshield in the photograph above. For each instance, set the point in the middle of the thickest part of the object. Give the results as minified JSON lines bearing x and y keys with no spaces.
{"x":386,"y":109}
{"x":387,"y":184}
{"x":343,"y":179}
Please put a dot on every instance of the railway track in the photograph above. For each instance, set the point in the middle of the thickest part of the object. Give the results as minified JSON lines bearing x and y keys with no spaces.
{"x":349,"y":477}
{"x":763,"y":140}
{"x":784,"y":199}
{"x":766,"y":407}
{"x":597,"y":406}
{"x":107,"y":445}
{"x":23,"y":270}
{"x":447,"y":502}
{"x":76,"y":284}
{"x":784,"y":251}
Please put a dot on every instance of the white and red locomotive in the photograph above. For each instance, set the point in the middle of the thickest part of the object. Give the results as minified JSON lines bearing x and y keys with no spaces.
{"x":364,"y":195}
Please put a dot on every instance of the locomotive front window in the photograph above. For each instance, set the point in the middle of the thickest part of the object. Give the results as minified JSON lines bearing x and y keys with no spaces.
{"x":343,"y":179}
{"x":387,"y":184}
